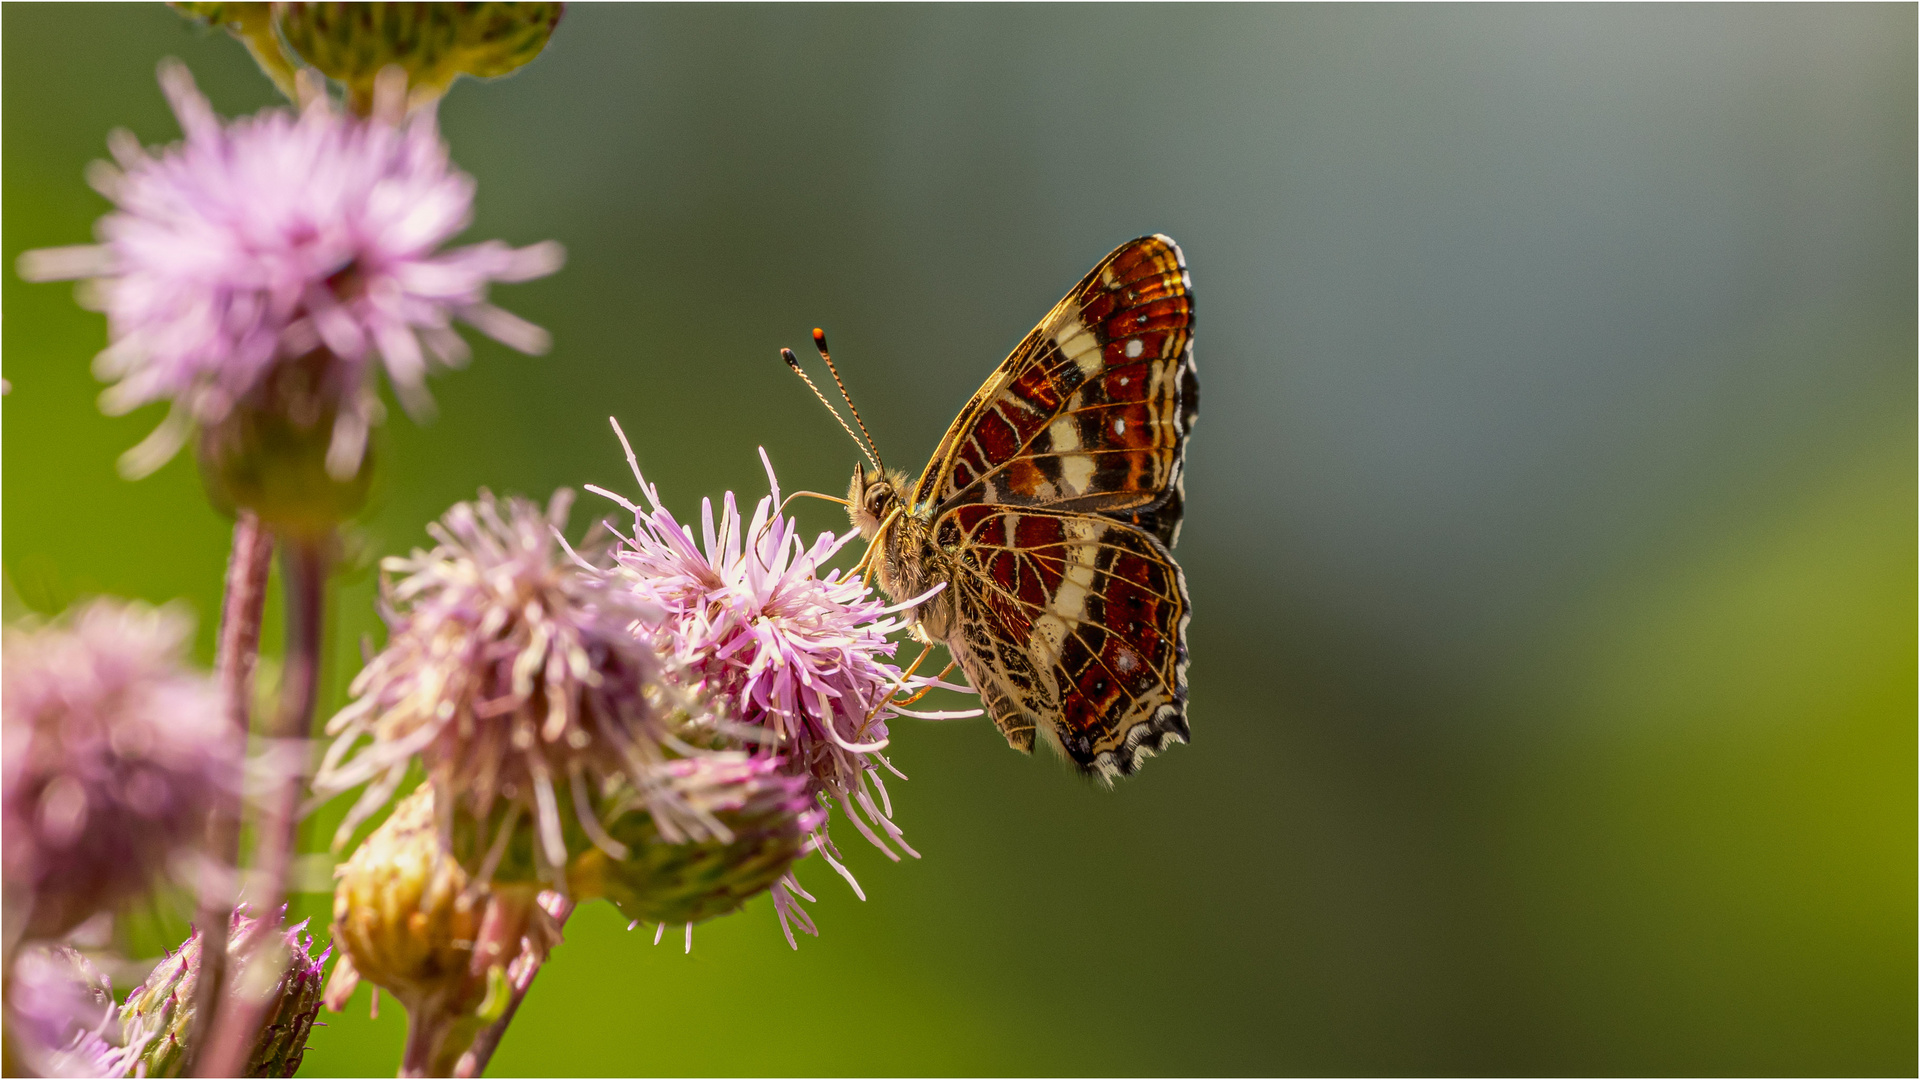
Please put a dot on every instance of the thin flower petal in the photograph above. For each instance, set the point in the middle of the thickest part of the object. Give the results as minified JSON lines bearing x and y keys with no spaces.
{"x":798,"y":651}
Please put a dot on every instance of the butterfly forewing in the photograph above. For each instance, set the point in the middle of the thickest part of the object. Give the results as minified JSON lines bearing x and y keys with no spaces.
{"x":1092,"y":410}
{"x":1048,"y":511}
{"x":1072,"y":623}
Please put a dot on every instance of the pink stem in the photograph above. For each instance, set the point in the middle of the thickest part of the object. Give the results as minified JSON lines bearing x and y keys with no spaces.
{"x":303,"y":575}
{"x":234,"y":656}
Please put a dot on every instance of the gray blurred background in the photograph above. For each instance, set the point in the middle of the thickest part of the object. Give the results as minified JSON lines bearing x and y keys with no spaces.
{"x":1551,"y":517}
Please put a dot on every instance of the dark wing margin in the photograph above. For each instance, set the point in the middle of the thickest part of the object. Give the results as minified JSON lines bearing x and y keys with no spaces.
{"x":1071,"y":625}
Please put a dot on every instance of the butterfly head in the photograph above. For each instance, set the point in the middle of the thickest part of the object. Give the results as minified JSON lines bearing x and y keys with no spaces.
{"x":873,"y":495}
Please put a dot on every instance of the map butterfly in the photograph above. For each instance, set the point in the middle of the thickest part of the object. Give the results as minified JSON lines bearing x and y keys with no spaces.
{"x":1049,"y":510}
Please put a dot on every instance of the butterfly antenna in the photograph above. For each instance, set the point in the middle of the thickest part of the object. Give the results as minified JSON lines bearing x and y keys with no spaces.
{"x":820,"y":342}
{"x":794,"y":363}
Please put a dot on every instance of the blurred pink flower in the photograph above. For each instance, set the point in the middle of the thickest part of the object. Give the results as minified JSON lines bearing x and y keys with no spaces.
{"x":272,"y":237}
{"x":114,"y":753}
{"x":61,"y":1016}
{"x":792,"y":652}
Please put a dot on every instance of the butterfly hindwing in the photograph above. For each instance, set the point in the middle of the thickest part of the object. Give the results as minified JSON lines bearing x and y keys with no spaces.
{"x":1073,"y":624}
{"x":1092,"y":410}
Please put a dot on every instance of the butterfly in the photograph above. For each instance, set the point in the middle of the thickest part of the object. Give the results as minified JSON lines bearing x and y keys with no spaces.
{"x":1049,"y":511}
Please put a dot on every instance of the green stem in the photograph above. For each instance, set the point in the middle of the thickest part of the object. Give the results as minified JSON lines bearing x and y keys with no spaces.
{"x":474,"y":1061}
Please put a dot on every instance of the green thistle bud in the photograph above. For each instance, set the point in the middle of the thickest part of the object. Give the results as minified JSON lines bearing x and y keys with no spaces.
{"x":275,"y":461}
{"x":433,"y":42}
{"x":765,"y":820}
{"x":412,"y":922}
{"x":402,"y":911}
{"x":252,"y":25}
{"x":495,"y":39}
{"x":159,"y":1016}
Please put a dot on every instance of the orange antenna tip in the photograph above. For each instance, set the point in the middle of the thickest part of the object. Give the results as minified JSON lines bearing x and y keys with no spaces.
{"x":793,"y":363}
{"x":820,"y":343}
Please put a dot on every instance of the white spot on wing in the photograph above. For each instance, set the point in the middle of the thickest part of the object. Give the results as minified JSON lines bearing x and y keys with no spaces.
{"x":1078,"y":344}
{"x":1049,"y":633}
{"x":1069,"y":604}
{"x":1076,"y":472}
{"x":1135,"y":347}
{"x":1065,"y":434}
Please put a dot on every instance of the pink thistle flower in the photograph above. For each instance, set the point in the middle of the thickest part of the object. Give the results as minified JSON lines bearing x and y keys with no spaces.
{"x":114,"y":754}
{"x":511,"y":669}
{"x":795,"y":653}
{"x":278,"y":237}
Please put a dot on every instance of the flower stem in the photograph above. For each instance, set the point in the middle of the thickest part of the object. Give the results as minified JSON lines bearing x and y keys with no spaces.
{"x":303,"y":575}
{"x":474,"y":1061}
{"x":234,"y":657}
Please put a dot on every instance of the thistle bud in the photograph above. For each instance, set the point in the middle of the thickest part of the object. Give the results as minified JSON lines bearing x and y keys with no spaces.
{"x":764,"y":820}
{"x":402,"y":911}
{"x":252,"y":25}
{"x":412,"y":922}
{"x":273,"y":454}
{"x":159,"y":1016}
{"x":434,"y":43}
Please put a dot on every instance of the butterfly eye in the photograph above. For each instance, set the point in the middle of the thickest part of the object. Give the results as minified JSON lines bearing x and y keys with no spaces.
{"x":876,"y":499}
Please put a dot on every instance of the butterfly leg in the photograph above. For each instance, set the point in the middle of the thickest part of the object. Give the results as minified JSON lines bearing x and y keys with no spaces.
{"x":865,"y":566}
{"x":898,"y":683}
{"x":927,"y":689}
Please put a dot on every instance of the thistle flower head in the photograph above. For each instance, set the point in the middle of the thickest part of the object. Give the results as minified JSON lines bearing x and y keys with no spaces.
{"x":114,"y":753}
{"x":61,"y":1017}
{"x":794,"y":652}
{"x":513,"y":671}
{"x":283,"y":238}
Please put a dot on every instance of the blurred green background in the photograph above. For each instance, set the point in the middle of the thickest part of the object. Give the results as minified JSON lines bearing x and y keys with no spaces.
{"x":1551,"y":521}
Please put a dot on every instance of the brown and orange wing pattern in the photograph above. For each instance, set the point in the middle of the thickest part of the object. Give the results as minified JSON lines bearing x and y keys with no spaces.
{"x":1091,"y":412}
{"x":1071,"y":624}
